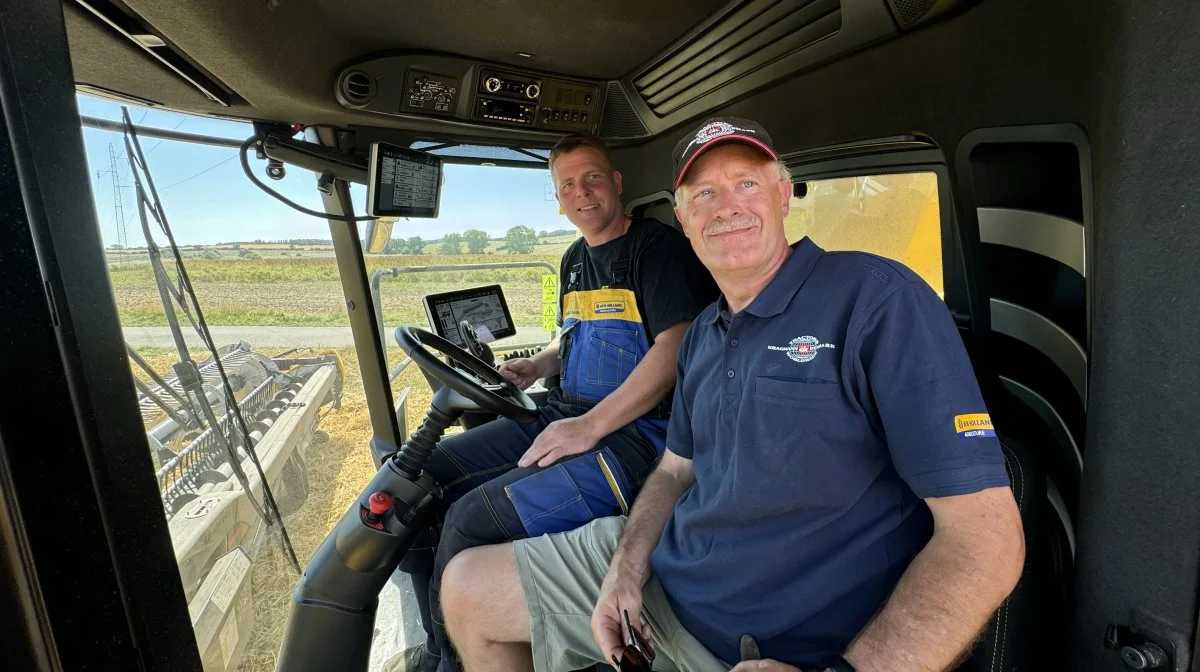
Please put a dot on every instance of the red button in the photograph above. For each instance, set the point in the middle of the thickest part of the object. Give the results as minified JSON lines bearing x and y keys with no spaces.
{"x":379,"y":503}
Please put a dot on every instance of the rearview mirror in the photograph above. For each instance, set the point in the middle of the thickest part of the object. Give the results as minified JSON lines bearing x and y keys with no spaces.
{"x":379,"y":232}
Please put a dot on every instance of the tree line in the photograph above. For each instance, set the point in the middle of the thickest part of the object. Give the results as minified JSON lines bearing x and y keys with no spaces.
{"x":517,"y":240}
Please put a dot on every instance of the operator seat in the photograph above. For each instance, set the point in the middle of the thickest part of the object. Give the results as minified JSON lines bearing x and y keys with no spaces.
{"x":1005,"y":644}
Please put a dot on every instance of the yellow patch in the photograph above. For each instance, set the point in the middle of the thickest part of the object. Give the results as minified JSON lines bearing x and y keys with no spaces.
{"x":601,"y":304}
{"x":974,"y":424}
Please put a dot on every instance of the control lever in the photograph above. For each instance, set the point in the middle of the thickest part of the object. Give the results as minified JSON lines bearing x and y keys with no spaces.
{"x":472,"y":344}
{"x":527,"y":352}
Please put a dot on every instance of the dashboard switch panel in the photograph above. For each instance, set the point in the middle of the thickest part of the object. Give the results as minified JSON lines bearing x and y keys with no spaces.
{"x":568,"y":106}
{"x":505,"y":84}
{"x":431,"y":89}
{"x":496,"y":109}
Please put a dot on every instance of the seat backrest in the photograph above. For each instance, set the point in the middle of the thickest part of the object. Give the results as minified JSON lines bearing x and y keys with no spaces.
{"x":1005,"y":645}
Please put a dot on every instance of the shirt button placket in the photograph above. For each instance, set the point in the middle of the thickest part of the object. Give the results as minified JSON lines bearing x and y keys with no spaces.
{"x":732,"y":391}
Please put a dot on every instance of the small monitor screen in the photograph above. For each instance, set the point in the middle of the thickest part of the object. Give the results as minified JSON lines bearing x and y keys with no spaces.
{"x":403,"y":182}
{"x":483,"y":307}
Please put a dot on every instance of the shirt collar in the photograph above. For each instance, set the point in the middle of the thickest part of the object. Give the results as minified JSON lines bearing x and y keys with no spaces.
{"x":779,"y":292}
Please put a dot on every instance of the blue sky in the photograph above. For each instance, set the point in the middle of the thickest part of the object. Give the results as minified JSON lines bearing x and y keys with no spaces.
{"x":208,"y":201}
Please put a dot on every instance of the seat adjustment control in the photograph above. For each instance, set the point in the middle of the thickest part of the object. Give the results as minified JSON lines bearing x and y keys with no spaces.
{"x":1138,"y":649}
{"x":1148,"y":656}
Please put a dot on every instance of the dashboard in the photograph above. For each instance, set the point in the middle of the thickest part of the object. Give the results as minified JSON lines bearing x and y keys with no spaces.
{"x":445,"y":87}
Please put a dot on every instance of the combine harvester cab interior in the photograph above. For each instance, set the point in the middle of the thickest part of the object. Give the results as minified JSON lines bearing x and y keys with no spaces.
{"x":226,"y":495}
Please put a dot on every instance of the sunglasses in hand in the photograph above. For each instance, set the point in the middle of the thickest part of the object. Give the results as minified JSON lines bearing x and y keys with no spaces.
{"x":637,"y":655}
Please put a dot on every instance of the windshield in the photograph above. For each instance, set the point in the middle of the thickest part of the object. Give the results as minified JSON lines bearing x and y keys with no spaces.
{"x":267,"y":282}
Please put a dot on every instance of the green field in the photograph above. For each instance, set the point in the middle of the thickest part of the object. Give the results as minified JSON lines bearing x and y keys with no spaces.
{"x":277,"y":290}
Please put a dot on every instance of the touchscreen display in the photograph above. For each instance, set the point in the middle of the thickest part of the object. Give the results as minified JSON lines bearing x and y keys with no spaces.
{"x":483,"y":307}
{"x":403,"y":182}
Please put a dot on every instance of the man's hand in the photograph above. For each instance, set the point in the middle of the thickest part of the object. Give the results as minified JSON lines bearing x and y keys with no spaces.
{"x":569,"y":436}
{"x":521,"y":371}
{"x":765,"y":665}
{"x":618,"y":594}
{"x":630,"y":566}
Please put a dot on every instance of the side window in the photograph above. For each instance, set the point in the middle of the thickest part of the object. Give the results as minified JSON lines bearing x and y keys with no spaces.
{"x":894,"y":216}
{"x":268,"y":285}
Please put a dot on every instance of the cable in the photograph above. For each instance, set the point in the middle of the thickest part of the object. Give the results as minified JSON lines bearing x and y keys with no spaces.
{"x":155,"y":146}
{"x":212,"y":167}
{"x":242,"y":152}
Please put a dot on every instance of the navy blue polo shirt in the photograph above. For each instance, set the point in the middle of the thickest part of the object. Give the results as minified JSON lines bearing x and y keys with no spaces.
{"x":816,"y":419}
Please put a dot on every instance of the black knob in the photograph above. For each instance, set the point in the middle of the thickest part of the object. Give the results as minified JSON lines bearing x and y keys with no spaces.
{"x":492,"y":84}
{"x":1148,"y":656}
{"x":533,"y":91}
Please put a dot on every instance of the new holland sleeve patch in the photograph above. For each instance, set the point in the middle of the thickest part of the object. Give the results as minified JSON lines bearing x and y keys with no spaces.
{"x":974,"y":425}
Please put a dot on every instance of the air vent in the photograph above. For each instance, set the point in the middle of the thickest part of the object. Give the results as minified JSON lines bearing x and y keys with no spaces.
{"x":358,"y":88}
{"x":753,"y":35}
{"x":620,"y":120}
{"x":909,"y":12}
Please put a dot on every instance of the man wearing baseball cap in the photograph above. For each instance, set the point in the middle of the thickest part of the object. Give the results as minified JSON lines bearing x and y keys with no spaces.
{"x":833,"y":495}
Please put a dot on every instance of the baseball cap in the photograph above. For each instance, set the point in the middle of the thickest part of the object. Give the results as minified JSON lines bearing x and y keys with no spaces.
{"x":715,"y":131}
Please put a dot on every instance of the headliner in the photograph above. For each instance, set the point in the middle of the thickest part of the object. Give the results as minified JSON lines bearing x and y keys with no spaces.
{"x":279,"y":58}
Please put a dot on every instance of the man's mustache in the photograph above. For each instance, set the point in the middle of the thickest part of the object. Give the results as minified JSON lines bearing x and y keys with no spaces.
{"x":721,"y":225}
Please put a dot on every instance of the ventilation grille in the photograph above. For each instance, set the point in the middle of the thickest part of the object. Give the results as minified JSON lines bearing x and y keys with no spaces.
{"x":753,"y":35}
{"x":909,"y":12}
{"x":620,"y":120}
{"x":358,"y":88}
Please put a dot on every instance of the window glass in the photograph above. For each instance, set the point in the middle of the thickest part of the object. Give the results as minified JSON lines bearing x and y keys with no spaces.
{"x":268,"y":284}
{"x":894,"y":216}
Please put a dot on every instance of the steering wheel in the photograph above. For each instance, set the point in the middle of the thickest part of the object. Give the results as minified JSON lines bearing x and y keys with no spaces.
{"x":487,"y":389}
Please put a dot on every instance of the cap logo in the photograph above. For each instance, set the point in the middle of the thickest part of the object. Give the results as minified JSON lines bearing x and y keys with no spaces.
{"x":717,"y":129}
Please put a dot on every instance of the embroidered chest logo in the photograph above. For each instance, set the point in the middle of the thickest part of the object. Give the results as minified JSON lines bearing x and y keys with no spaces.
{"x":802,"y":348}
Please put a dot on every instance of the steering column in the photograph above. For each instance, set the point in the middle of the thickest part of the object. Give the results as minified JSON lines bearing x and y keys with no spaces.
{"x":332,"y":616}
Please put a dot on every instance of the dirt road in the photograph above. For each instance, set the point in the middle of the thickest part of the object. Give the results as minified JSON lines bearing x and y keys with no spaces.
{"x":292,"y":337}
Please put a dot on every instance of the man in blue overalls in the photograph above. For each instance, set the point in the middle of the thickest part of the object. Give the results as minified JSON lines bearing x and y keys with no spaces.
{"x":630,"y":288}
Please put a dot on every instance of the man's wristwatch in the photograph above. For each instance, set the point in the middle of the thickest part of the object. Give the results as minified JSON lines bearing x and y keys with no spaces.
{"x":838,"y":664}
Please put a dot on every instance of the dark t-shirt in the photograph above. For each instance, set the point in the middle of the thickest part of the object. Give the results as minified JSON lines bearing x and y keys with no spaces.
{"x":816,"y":419}
{"x":670,"y":283}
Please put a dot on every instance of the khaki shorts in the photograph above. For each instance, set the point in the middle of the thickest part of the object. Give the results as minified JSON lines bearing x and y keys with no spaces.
{"x":561,"y":576}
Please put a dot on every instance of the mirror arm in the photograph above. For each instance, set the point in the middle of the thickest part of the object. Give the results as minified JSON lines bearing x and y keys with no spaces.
{"x":316,"y":158}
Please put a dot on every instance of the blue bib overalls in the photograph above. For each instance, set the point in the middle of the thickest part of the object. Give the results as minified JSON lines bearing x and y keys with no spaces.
{"x":492,"y":500}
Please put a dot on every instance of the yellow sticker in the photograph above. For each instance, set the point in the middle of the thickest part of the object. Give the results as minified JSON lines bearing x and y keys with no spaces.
{"x":601,"y":304}
{"x":550,"y":289}
{"x":549,"y":318}
{"x":974,"y":425}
